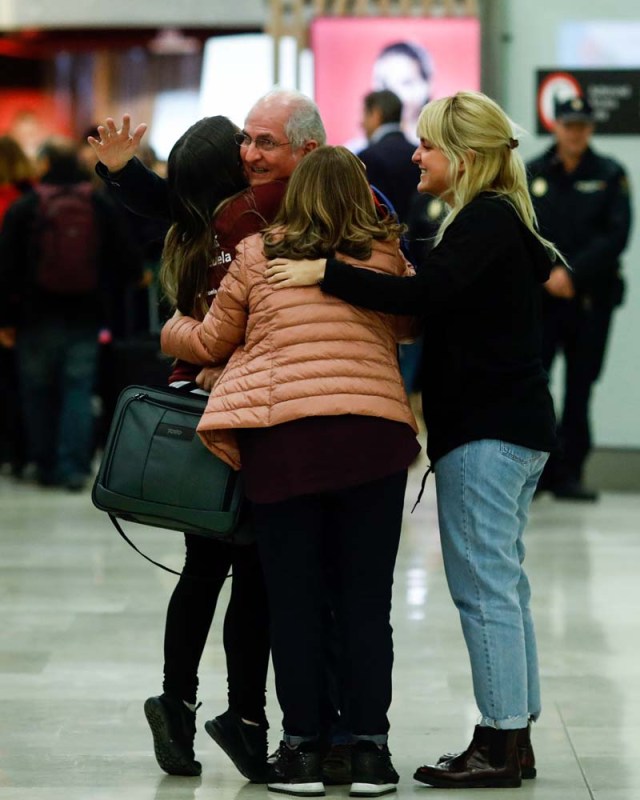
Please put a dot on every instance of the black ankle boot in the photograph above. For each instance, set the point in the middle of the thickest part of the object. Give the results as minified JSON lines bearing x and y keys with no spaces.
{"x":526,"y":756}
{"x":490,"y":761}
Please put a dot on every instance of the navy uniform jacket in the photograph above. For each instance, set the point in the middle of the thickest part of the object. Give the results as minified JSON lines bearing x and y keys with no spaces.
{"x":587,"y":214}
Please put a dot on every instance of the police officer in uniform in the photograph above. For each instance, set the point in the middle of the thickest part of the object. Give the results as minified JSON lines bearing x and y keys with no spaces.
{"x":582,"y":202}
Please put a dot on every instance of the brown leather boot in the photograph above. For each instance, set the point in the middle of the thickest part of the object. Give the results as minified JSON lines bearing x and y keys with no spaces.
{"x":490,"y":761}
{"x":526,"y":755}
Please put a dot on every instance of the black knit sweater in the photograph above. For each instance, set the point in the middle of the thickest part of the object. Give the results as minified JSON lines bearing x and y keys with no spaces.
{"x":479,"y":296}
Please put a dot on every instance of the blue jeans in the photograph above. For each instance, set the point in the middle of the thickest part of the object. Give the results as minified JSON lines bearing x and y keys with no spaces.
{"x":484,"y":490}
{"x":57,"y":365}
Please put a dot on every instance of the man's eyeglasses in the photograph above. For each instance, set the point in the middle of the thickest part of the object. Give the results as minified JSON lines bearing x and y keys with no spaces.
{"x":260,"y":142}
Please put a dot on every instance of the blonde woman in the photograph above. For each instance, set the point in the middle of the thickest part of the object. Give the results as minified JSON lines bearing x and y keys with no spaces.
{"x":312,"y":406}
{"x":486,"y":406}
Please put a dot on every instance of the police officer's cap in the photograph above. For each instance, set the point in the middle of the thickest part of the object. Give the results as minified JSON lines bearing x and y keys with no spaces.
{"x":577,"y":109}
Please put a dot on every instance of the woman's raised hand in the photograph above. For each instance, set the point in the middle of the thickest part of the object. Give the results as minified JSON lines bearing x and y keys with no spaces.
{"x":284,"y":272}
{"x":115,"y":148}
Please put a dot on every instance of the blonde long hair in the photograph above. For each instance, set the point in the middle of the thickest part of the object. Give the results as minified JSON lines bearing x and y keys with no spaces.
{"x":328,"y":207}
{"x":471,"y":128}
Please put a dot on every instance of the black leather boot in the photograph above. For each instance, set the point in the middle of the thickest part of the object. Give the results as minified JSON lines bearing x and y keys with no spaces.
{"x":526,"y":756}
{"x":490,"y":761}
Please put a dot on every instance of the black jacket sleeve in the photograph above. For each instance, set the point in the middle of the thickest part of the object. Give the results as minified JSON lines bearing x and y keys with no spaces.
{"x":477,"y":237}
{"x":139,"y":189}
{"x":121,"y":258}
{"x":595,"y":258}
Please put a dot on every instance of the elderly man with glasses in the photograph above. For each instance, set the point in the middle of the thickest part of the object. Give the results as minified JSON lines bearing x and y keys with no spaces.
{"x":279,"y":130}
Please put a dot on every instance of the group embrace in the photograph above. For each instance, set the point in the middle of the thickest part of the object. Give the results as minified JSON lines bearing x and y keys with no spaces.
{"x":291,"y":293}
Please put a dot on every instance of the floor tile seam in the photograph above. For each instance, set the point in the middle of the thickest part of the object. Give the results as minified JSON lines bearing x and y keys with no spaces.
{"x":574,"y":751}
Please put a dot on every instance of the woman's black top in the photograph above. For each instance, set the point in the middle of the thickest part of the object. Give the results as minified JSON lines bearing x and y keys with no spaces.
{"x":479,"y":295}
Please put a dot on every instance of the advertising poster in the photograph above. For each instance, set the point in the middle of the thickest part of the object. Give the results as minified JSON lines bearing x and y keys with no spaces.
{"x":418,"y":59}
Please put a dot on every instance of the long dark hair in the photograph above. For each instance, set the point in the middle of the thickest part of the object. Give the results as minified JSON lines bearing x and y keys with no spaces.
{"x":203,"y":171}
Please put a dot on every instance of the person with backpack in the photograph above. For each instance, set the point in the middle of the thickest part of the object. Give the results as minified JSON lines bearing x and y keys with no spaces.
{"x":63,"y":251}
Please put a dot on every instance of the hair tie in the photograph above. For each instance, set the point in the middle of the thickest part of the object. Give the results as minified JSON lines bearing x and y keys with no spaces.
{"x":512,"y":143}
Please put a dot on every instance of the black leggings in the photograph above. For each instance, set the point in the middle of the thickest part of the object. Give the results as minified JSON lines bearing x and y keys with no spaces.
{"x":246,"y":624}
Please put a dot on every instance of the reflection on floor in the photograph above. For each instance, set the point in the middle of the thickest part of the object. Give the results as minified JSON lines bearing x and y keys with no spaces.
{"x":81,"y":648}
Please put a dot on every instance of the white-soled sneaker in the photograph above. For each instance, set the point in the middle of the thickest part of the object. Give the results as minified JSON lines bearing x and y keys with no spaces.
{"x":372,"y":772}
{"x":297,"y":771}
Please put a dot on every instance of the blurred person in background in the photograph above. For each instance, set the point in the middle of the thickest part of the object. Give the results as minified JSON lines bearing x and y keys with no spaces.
{"x":29,"y":130}
{"x":388,"y":153}
{"x":582,"y":202}
{"x":387,"y":158}
{"x":17,"y":173}
{"x":62,"y":249}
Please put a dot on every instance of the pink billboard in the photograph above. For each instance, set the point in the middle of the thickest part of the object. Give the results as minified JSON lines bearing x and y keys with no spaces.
{"x":418,"y":59}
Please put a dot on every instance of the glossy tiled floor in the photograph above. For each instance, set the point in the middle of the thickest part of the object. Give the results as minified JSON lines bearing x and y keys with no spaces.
{"x":82,"y":620}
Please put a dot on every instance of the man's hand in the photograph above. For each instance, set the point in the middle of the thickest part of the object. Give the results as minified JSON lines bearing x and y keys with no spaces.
{"x":207,"y":377}
{"x":8,"y":338}
{"x":283,"y":272}
{"x":116,"y":148}
{"x":560,"y":284}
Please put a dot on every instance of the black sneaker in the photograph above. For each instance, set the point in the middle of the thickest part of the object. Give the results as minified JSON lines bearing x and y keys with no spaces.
{"x":173,"y":726}
{"x":336,"y":765}
{"x":246,"y":745}
{"x":297,"y":771}
{"x":372,"y":772}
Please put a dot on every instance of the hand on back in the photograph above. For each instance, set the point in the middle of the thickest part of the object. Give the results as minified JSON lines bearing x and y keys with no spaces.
{"x":115,"y":148}
{"x":283,"y":273}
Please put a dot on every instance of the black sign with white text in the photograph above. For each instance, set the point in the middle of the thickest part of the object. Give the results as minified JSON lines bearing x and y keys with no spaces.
{"x":614,"y":95}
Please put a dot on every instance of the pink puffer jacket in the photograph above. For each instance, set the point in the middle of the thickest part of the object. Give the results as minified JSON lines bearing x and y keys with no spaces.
{"x":292,"y":353}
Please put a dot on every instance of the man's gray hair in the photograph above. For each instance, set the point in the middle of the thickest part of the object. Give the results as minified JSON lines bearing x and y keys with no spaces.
{"x":304,"y":121}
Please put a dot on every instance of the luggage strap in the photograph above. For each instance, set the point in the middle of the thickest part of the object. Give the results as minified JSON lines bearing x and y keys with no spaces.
{"x":422,"y":485}
{"x":117,"y":526}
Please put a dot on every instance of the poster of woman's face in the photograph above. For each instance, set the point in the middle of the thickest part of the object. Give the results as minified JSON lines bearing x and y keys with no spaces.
{"x":417,"y":59}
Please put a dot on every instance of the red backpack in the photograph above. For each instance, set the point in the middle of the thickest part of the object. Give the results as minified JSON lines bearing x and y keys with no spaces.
{"x":66,"y":239}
